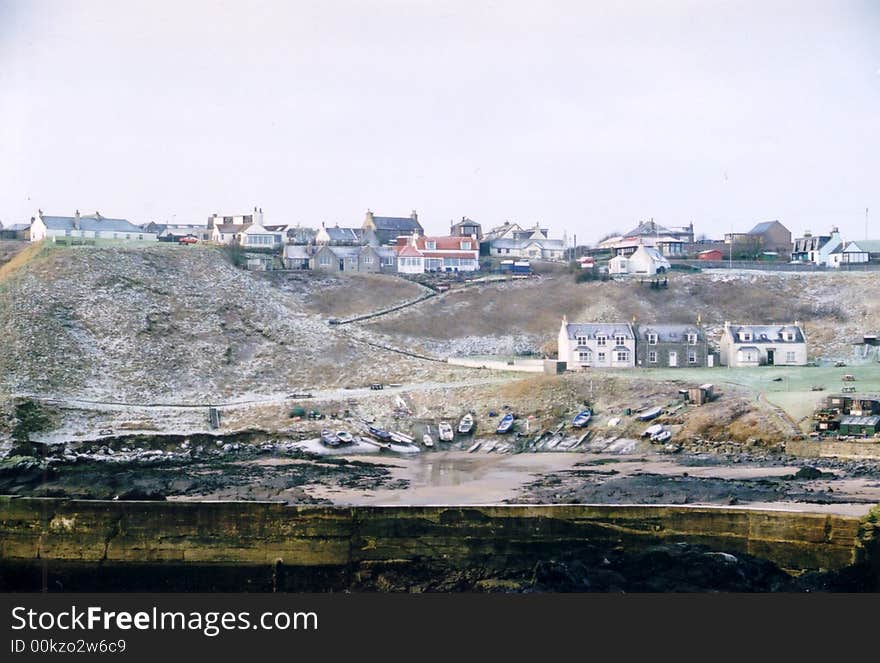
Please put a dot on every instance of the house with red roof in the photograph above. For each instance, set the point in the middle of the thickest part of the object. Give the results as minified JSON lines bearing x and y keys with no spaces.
{"x":418,"y":254}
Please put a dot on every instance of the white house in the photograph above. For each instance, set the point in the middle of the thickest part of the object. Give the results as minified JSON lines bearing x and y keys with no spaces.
{"x":597,"y":344}
{"x":763,"y":345}
{"x":418,"y":254}
{"x":817,"y":249}
{"x":646,"y":260}
{"x":89,"y":226}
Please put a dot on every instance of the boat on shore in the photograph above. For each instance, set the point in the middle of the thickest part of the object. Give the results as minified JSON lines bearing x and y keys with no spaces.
{"x":647,"y":415}
{"x":427,"y":440}
{"x":445,"y":432}
{"x":344,"y":437}
{"x":329,"y":438}
{"x":506,"y":423}
{"x":378,"y":433}
{"x":466,"y":425}
{"x":402,"y":438}
{"x":582,"y":418}
{"x":474,"y":447}
{"x":384,"y":446}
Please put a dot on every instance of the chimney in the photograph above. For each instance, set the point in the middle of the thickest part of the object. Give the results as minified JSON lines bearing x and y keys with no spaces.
{"x":77,"y":214}
{"x":414,"y":216}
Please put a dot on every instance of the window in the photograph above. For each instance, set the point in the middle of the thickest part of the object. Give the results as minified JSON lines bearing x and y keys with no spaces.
{"x":692,"y":339}
{"x":652,"y":357}
{"x":789,"y":336}
{"x":600,"y":339}
{"x":466,"y":246}
{"x":652,"y":339}
{"x":581,"y":340}
{"x":368,"y":260}
{"x":507,"y":250}
{"x":324,"y":260}
{"x":789,"y":357}
{"x":745,"y":336}
{"x":585,"y":356}
{"x":692,"y":357}
{"x":601,"y":357}
{"x":619,"y":339}
{"x":127,"y":236}
{"x":431,"y":246}
{"x":622,"y":355}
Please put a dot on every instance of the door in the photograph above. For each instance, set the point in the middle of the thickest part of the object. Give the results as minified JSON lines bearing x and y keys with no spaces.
{"x":341,"y":265}
{"x":771,"y":357}
{"x":673,"y":358}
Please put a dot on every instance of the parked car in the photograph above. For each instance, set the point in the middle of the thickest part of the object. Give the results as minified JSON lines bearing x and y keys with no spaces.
{"x":188,"y":239}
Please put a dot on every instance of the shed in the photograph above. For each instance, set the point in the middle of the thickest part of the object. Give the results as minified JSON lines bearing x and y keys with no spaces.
{"x":700,"y":395}
{"x":554,"y":367}
{"x":853,"y":425}
{"x":711,"y":254}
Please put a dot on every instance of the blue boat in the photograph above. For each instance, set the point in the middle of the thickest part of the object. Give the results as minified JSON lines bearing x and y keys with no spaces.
{"x":505,"y":424}
{"x":582,"y":418}
{"x":378,"y":433}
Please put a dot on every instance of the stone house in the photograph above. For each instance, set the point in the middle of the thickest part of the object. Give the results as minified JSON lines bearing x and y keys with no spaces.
{"x":672,"y":346}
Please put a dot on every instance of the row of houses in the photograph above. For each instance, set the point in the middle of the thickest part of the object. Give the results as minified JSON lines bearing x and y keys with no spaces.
{"x":655,"y":345}
{"x":413,"y":254}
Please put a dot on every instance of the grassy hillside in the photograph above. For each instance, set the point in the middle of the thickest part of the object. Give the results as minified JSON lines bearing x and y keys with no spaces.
{"x":836,"y":308}
{"x":168,"y":323}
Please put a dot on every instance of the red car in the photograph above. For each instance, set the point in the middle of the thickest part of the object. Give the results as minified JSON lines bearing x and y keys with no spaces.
{"x":189,"y":239}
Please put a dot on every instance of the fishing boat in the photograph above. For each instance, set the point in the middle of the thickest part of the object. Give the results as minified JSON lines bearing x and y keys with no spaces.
{"x":582,"y":418}
{"x":344,"y":437}
{"x":466,"y":425}
{"x":329,"y":439}
{"x":505,"y":424}
{"x":403,"y":438}
{"x":662,"y":436}
{"x":378,"y":433}
{"x":647,"y":415}
{"x":651,"y":431}
{"x":445,"y":431}
{"x":474,"y":447}
{"x":490,"y":447}
{"x":427,"y":440}
{"x":554,"y":441}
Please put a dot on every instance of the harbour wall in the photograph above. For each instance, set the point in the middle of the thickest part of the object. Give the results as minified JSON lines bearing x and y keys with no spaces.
{"x":252,"y":546}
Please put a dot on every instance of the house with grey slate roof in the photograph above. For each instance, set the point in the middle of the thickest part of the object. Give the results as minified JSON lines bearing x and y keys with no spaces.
{"x":763,"y":345}
{"x":388,"y":228}
{"x":597,"y":344}
{"x":672,"y":346}
{"x":89,"y":226}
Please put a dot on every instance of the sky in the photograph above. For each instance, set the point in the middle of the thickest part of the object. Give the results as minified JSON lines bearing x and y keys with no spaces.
{"x":587,"y":117}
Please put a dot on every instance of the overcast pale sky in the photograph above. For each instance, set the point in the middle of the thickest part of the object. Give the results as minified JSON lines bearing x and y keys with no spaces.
{"x":584,"y":116}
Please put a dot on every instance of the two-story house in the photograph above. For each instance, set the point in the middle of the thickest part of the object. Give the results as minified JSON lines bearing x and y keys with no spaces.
{"x":672,"y":346}
{"x":763,"y":345}
{"x":597,"y":344}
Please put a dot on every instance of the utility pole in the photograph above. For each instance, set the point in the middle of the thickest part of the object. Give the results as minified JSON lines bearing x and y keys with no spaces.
{"x":866,"y":223}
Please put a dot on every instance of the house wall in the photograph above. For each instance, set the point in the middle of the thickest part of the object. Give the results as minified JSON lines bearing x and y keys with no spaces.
{"x":643,"y":350}
{"x":331,"y":263}
{"x":569,"y":352}
{"x":730,"y":352}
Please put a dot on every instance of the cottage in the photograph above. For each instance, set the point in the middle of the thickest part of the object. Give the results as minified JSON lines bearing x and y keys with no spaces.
{"x":672,"y":346}
{"x":92,"y":226}
{"x":388,"y":228}
{"x":297,"y":256}
{"x":597,"y":344}
{"x":668,"y":241}
{"x":336,"y":236}
{"x":418,"y":254}
{"x":816,"y":249}
{"x":763,"y":345}
{"x":860,"y":252}
{"x":646,"y":260}
{"x":363,"y":259}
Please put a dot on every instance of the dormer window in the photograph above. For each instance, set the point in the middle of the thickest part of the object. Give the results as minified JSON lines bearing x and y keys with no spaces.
{"x":652,"y":339}
{"x":431,"y":246}
{"x":581,"y":340}
{"x":466,"y":246}
{"x":619,"y":339}
{"x":789,"y":336}
{"x":745,"y":336}
{"x":600,"y":339}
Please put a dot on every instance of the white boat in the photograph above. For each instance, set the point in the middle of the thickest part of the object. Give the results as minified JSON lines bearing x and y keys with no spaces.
{"x":490,"y":447}
{"x":427,"y":440}
{"x":474,"y":447}
{"x":403,"y":438}
{"x":554,"y":441}
{"x":344,"y":436}
{"x":445,"y":431}
{"x":651,"y":431}
{"x":466,"y":425}
{"x":647,"y":415}
{"x":662,"y":436}
{"x":375,"y":443}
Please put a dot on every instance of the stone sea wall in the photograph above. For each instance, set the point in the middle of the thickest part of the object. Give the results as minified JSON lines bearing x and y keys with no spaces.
{"x":265,"y":546}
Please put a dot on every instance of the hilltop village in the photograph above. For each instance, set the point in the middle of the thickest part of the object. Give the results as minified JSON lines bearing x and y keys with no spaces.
{"x":201,"y":358}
